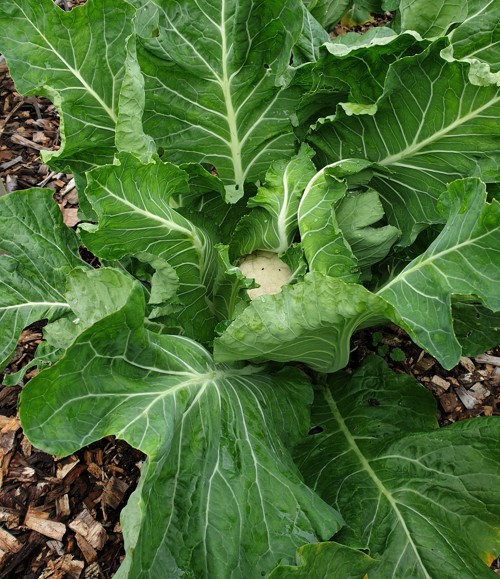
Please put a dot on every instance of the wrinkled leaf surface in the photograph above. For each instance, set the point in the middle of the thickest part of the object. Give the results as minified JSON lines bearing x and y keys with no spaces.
{"x":423,"y":500}
{"x":219,"y":495}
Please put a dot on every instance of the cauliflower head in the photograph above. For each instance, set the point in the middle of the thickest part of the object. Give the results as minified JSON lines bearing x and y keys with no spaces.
{"x":267,"y":269}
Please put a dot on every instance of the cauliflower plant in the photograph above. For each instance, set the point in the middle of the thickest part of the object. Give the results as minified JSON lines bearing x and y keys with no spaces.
{"x":267,"y":269}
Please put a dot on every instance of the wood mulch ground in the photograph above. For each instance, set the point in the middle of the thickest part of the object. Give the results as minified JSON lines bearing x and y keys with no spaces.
{"x":59,"y":518}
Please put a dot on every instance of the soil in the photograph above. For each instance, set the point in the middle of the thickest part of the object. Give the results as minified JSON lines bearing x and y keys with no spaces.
{"x":60,"y":517}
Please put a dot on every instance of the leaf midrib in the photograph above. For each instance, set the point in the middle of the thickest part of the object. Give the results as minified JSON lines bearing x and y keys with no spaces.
{"x":416,"y":147}
{"x":167,"y":223}
{"x":35,"y":304}
{"x":475,"y":14}
{"x":430,"y":261}
{"x":371,"y":473}
{"x":283,"y":215}
{"x":74,"y":71}
{"x":225,"y":84}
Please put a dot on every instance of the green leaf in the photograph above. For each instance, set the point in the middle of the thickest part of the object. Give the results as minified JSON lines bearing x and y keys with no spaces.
{"x":164,"y":281}
{"x":322,"y":560}
{"x":327,"y":12}
{"x":66,"y":56}
{"x":313,"y":36}
{"x":92,"y":294}
{"x":44,"y":356}
{"x":470,"y":24}
{"x":351,"y":56}
{"x":216,"y":439}
{"x":460,"y":262}
{"x":311,"y":321}
{"x":400,"y":257}
{"x":423,"y":500}
{"x":216,"y":81}
{"x":478,"y":36}
{"x":146,"y":17}
{"x":295,"y":260}
{"x":477,"y":328}
{"x":325,"y":246}
{"x":431,"y":19}
{"x":334,"y":76}
{"x":135,"y":218}
{"x":431,"y":127}
{"x":204,"y":188}
{"x":37,"y":252}
{"x":359,"y":13}
{"x":230,"y":296}
{"x":356,"y":213}
{"x":272,"y":223}
{"x":129,"y":130}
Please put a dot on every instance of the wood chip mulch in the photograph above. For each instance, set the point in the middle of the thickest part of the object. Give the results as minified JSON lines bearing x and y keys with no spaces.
{"x":59,"y":518}
{"x":470,"y":389}
{"x":376,"y":20}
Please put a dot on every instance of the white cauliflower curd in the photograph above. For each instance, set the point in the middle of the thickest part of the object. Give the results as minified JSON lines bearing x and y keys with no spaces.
{"x":267,"y":269}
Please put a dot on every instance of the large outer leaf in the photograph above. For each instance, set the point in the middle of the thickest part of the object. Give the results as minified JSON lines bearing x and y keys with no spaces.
{"x":422,"y":499}
{"x":215,"y":79}
{"x":311,"y":321}
{"x":463,"y":261}
{"x":77,"y":59}
{"x":37,"y":251}
{"x":432,"y":126}
{"x":131,"y":200}
{"x":219,"y":494}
